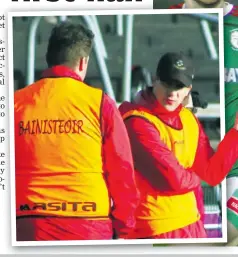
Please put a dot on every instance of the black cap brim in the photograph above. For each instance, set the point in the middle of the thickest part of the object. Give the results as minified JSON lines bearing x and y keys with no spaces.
{"x":183,"y":79}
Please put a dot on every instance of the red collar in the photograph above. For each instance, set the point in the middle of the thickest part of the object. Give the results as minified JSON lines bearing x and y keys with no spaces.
{"x":60,"y":71}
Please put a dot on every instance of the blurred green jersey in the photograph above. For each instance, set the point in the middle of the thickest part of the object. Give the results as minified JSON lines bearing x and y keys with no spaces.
{"x":231,"y":69}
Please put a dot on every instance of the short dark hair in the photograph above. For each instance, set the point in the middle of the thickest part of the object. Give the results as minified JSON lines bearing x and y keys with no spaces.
{"x":68,"y":43}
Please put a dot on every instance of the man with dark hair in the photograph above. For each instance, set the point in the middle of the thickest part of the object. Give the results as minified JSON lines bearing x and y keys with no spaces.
{"x":76,"y":43}
{"x":172,"y":154}
{"x":74,"y":168}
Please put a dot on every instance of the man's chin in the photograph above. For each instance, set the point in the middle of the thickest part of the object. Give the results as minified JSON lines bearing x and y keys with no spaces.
{"x":170,"y":108}
{"x":204,"y":4}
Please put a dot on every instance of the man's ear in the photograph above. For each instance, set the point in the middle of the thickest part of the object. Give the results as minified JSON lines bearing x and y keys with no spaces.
{"x":81,"y":64}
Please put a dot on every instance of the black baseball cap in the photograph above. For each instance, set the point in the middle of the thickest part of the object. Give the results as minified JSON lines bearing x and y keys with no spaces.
{"x":175,"y":67}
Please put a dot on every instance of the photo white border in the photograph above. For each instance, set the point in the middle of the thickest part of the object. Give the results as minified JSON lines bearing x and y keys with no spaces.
{"x":11,"y":126}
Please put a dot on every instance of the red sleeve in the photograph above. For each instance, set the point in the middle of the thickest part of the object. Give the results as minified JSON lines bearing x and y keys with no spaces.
{"x":213,"y":168}
{"x":156,"y":162}
{"x":234,"y":11}
{"x":177,"y":6}
{"x":119,"y":169}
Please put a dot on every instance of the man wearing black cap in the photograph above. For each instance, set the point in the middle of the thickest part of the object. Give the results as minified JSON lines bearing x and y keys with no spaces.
{"x":172,"y":154}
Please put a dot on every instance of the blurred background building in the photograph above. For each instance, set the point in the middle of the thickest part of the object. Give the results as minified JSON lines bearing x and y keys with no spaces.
{"x":122,"y":42}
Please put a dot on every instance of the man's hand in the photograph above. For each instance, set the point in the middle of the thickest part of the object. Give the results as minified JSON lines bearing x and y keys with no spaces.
{"x":236,"y":122}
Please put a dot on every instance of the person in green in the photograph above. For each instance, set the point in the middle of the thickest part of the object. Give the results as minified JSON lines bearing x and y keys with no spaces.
{"x":231,"y":96}
{"x":231,"y":106}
